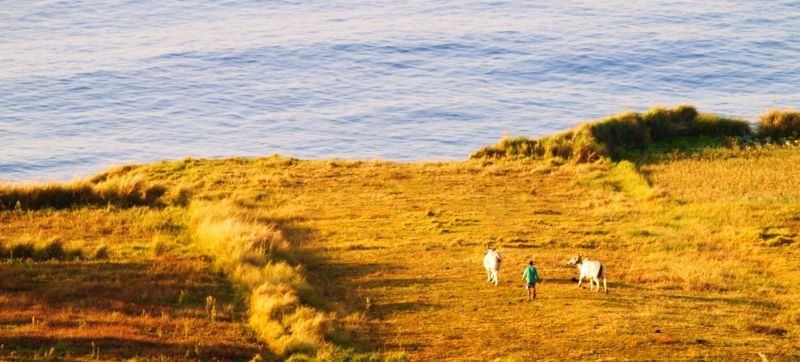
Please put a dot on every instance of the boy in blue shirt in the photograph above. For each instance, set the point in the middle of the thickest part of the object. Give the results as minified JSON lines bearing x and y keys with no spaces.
{"x":531,"y":276}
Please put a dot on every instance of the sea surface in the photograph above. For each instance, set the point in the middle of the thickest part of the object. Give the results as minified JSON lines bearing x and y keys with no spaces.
{"x":85,"y":85}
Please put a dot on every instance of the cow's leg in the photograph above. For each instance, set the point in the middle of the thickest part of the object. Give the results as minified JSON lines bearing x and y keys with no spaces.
{"x":494,"y":275}
{"x":580,"y":280}
{"x":488,"y":275}
{"x":604,"y":286}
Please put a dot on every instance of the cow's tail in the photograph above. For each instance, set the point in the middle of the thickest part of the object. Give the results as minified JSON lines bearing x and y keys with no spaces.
{"x":602,"y":272}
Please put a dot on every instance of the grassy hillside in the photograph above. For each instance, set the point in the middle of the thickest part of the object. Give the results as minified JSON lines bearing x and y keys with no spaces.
{"x":281,"y":258}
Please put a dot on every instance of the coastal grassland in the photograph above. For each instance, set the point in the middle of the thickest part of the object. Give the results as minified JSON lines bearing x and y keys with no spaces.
{"x":385,"y":258}
{"x":96,"y":279}
{"x":364,"y":260}
{"x":699,"y":251}
{"x":113,"y":284}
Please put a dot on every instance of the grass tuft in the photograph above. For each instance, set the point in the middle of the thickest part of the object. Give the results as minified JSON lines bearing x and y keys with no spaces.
{"x":31,"y":250}
{"x":124,"y":191}
{"x":160,"y":246}
{"x":52,"y":250}
{"x":22,"y":251}
{"x":778,"y":123}
{"x":246,"y":251}
{"x":100,"y":252}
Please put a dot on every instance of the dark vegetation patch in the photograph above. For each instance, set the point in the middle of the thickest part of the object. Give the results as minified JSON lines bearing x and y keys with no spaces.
{"x":627,"y":135}
{"x":780,"y":124}
{"x":121,"y":192}
{"x":773,"y":331}
{"x":777,"y":237}
{"x":52,"y":250}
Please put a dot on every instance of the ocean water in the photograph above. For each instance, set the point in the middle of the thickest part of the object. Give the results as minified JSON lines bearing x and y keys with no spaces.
{"x":85,"y":85}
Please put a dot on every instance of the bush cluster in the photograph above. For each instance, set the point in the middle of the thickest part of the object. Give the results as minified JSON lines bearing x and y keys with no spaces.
{"x":123,"y":191}
{"x":619,"y":135}
{"x":778,"y":124}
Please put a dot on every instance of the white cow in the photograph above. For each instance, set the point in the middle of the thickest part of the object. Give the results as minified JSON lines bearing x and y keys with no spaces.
{"x":492,"y":261}
{"x":591,"y":269}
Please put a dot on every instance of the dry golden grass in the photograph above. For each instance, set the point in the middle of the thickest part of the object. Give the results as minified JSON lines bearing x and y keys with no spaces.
{"x":411,"y":244}
{"x":700,"y":250}
{"x":119,"y":310}
{"x":396,"y":248}
{"x":245,"y":250}
{"x":121,"y":191}
{"x":124,"y":232}
{"x":129,"y":284}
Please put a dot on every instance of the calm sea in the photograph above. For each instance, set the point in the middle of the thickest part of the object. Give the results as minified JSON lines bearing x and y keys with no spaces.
{"x":89,"y":84}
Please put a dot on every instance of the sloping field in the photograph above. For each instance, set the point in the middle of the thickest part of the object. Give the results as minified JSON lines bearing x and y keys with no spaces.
{"x":692,"y":276}
{"x":112,"y":288}
{"x":700,"y":250}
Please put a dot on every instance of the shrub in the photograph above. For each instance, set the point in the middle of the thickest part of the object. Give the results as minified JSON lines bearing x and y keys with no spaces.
{"x":519,"y":147}
{"x":714,"y":126}
{"x":779,"y":124}
{"x":123,"y":191}
{"x":619,"y":136}
{"x":665,"y":124}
